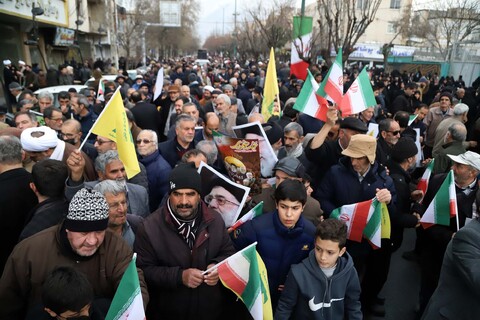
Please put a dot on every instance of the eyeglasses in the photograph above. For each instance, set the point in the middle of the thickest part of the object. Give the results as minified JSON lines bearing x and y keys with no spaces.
{"x":394,"y":132}
{"x":57,"y":119}
{"x":220,"y":200}
{"x":100,"y":142}
{"x":145,"y":141}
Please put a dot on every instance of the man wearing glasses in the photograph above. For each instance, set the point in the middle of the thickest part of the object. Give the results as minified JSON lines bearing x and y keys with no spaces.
{"x":53,"y":119}
{"x":157,"y":167}
{"x":225,"y":201}
{"x":389,"y":133}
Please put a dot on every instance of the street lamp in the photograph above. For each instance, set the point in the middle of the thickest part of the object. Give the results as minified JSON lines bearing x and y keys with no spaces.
{"x":33,"y":36}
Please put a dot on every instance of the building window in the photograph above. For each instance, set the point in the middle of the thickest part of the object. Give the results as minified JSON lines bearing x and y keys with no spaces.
{"x":391,"y":28}
{"x":395,"y":4}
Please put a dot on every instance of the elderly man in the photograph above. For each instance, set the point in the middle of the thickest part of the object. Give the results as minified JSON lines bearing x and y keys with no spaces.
{"x":323,"y":153}
{"x":434,"y":117}
{"x":460,"y":112}
{"x":224,"y":200}
{"x":389,"y":133}
{"x":226,"y":116}
{"x":212,"y":123}
{"x":80,"y":241}
{"x":16,"y":196}
{"x":157,"y":167}
{"x":173,"y":149}
{"x":45,"y":100}
{"x":175,"y":245}
{"x":365,"y":179}
{"x":167,"y":109}
{"x":466,"y":168}
{"x":108,"y":166}
{"x":42,"y":143}
{"x":293,"y":139}
{"x":119,"y":222}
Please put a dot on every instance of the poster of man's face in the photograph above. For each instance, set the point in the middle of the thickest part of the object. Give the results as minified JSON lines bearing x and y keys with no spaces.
{"x":221,"y":194}
{"x":268,"y":158}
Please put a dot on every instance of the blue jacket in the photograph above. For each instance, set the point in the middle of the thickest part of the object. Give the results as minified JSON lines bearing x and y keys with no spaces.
{"x":278,"y":246}
{"x":341,"y":186}
{"x":309,"y":294}
{"x":158,"y":171}
{"x":170,"y":151}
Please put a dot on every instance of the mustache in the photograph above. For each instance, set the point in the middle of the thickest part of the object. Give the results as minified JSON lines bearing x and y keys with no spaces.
{"x":184,"y":206}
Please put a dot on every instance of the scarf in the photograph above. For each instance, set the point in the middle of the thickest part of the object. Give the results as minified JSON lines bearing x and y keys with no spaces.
{"x":186,"y":228}
{"x":297,"y":152}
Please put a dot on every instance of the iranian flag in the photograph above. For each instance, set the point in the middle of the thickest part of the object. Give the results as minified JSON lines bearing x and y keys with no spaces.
{"x":331,"y":87}
{"x":378,"y":225}
{"x":127,"y":302}
{"x":101,"y":90}
{"x":244,"y":273}
{"x":302,"y":38}
{"x":253,"y":213}
{"x":423,"y":183}
{"x":356,"y":217}
{"x":309,"y":102}
{"x":443,"y":206}
{"x":359,"y":96}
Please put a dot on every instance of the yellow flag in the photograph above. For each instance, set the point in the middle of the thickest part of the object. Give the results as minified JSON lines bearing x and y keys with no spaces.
{"x":386,"y":228}
{"x":113,"y":124}
{"x":270,"y":89}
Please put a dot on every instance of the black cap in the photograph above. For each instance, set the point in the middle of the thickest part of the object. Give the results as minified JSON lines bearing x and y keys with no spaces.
{"x":291,"y":166}
{"x":273,"y":131}
{"x":353,"y":124}
{"x":403,"y":149}
{"x":185,"y":176}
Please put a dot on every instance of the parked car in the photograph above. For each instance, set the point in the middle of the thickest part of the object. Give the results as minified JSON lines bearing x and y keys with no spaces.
{"x":55,"y":90}
{"x":109,"y":77}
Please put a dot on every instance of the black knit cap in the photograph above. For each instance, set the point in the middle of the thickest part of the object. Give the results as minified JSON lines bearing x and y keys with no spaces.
{"x":273,"y":131}
{"x":87,"y":212}
{"x":403,"y":149}
{"x":185,"y":176}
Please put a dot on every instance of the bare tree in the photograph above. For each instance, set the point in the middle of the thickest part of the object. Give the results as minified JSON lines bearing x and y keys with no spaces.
{"x":264,"y":28}
{"x":447,"y":23}
{"x":342,"y":23}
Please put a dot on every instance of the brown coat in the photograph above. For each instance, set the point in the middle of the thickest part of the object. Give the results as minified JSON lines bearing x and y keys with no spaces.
{"x":36,"y":256}
{"x":89,"y":173}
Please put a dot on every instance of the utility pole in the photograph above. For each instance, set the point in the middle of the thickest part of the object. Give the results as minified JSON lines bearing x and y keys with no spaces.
{"x":235,"y":31}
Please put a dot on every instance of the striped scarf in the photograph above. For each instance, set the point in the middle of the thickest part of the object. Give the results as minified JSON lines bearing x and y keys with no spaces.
{"x":186,"y":228}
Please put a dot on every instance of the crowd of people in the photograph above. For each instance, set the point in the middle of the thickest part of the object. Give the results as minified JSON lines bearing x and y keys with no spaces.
{"x":71,"y":218}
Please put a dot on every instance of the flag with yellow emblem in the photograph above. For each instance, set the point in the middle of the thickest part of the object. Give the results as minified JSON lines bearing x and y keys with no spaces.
{"x":270,"y":90}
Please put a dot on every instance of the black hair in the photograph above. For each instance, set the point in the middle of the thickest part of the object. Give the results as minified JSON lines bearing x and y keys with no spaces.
{"x":48,"y":112}
{"x":333,"y":230}
{"x":66,"y":289}
{"x":63,"y":95}
{"x":291,"y":189}
{"x":49,"y":177}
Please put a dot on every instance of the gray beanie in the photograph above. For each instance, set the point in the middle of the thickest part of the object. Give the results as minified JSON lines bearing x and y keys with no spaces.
{"x":88,"y":211}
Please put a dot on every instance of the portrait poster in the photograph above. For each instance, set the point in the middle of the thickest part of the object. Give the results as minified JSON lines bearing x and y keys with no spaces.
{"x":221,"y":194}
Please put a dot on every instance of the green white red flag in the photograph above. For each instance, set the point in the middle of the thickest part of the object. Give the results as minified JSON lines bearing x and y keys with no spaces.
{"x":369,"y":219}
{"x":423,"y":183}
{"x":309,"y":102}
{"x":331,"y":87}
{"x":127,"y":302}
{"x":302,"y":41}
{"x":253,"y":213}
{"x":245,"y":274}
{"x":359,"y":96}
{"x":443,"y":206}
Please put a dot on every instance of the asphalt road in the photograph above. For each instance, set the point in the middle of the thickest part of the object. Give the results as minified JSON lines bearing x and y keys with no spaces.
{"x":403,"y":284}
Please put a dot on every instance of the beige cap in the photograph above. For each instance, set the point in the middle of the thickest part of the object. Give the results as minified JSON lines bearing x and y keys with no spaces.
{"x":361,"y":145}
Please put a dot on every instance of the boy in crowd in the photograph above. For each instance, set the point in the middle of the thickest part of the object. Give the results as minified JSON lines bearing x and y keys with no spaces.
{"x":325,"y":285}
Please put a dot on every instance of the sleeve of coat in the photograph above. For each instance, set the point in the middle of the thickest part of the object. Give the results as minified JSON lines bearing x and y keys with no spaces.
{"x":466,"y":254}
{"x":13,"y":290}
{"x":288,"y":299}
{"x":352,"y":298}
{"x":155,"y":274}
{"x":244,"y":236}
{"x":226,"y":247}
{"x":327,"y":194}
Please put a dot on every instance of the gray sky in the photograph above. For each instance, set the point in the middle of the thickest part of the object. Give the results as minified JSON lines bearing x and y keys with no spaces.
{"x":216,"y":16}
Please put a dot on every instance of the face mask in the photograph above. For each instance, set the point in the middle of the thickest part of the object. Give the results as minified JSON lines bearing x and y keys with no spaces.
{"x":71,"y":141}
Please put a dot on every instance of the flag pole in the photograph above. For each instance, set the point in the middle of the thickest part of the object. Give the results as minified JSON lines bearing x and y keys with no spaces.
{"x":456,"y":204}
{"x":225,"y":260}
{"x":101,"y":113}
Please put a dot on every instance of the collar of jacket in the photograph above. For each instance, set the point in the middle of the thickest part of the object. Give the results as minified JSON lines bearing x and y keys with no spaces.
{"x":375,"y":170}
{"x":146,"y":160}
{"x":286,"y":232}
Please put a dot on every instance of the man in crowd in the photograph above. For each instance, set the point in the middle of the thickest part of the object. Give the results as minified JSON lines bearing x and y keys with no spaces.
{"x":45,"y":100}
{"x":83,"y":113}
{"x":108,"y":166}
{"x":25,"y":119}
{"x":227,"y":118}
{"x":212,"y":123}
{"x":80,"y":241}
{"x":71,"y":132}
{"x":16,"y":196}
{"x":175,"y":245}
{"x":434,"y":117}
{"x":389,"y":133}
{"x":49,"y":186}
{"x":42,"y":143}
{"x":173,"y":150}
{"x":144,"y":112}
{"x":53,"y":118}
{"x":158,"y":169}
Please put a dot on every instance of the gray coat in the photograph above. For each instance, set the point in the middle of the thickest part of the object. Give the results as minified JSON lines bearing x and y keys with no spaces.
{"x":458,"y":291}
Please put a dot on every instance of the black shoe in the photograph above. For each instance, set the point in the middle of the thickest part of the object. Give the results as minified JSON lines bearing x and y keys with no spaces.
{"x":410,"y":255}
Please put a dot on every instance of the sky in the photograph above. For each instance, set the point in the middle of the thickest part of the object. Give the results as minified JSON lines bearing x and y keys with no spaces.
{"x":216,"y":16}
